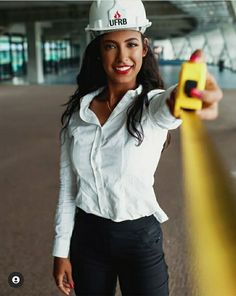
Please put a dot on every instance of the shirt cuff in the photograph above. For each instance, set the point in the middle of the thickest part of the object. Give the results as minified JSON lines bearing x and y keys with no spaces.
{"x":61,"y":248}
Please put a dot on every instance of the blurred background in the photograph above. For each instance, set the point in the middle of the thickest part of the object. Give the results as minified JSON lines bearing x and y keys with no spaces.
{"x":41,"y":39}
{"x":41,"y":49}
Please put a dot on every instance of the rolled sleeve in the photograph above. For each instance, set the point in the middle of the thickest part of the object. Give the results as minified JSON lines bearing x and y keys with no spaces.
{"x":65,"y":211}
{"x":159,"y":111}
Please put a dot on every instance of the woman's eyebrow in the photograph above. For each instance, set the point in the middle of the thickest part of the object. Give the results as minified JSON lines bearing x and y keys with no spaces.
{"x":108,"y":40}
{"x":132,"y":39}
{"x":127,"y":40}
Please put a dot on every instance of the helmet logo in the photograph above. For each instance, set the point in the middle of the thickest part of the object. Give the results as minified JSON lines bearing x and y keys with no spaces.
{"x":117,"y":15}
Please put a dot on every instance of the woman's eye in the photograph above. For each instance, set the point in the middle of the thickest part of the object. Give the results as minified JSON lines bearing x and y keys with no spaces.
{"x":109,"y":46}
{"x":131,"y":44}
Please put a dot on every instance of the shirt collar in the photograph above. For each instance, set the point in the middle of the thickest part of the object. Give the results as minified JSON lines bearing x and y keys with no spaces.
{"x":87,"y":115}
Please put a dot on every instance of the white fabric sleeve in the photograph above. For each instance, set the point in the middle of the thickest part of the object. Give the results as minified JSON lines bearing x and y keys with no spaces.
{"x":159,"y":111}
{"x":65,"y":211}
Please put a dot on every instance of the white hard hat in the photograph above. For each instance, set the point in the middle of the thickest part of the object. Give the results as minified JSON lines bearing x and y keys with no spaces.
{"x":112,"y":15}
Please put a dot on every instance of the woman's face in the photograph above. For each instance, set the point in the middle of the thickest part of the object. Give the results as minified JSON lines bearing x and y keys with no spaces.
{"x":122,"y":53}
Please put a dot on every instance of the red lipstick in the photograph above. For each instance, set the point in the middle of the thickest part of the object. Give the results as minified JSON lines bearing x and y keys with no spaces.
{"x":123,"y":69}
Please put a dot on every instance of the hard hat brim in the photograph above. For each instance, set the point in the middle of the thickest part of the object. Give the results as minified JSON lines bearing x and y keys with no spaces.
{"x":141,"y":28}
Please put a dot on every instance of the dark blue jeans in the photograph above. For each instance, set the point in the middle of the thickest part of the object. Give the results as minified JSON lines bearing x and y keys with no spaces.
{"x":102,"y":250}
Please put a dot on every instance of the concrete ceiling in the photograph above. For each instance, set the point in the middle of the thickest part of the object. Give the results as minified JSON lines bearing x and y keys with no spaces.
{"x":169,"y":18}
{"x":209,"y":14}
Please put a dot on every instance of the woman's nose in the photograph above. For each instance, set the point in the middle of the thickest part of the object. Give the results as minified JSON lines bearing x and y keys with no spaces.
{"x":122,"y":55}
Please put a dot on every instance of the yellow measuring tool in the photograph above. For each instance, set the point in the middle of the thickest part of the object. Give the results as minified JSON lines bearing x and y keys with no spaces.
{"x":192,"y":75}
{"x":210,"y":203}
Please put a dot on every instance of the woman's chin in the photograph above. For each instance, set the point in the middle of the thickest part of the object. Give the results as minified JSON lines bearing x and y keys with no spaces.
{"x":124,"y":80}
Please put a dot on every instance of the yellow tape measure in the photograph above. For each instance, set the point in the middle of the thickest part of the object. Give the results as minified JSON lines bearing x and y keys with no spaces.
{"x":210,"y":203}
{"x":210,"y":211}
{"x":192,"y":75}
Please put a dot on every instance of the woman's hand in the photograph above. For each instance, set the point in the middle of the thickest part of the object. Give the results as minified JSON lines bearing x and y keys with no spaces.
{"x":210,"y":96}
{"x":62,"y":273}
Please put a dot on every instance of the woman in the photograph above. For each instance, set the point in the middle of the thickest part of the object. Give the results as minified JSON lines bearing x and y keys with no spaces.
{"x":115,"y":127}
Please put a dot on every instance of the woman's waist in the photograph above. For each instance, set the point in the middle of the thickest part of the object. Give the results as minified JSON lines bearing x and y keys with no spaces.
{"x":97,"y":220}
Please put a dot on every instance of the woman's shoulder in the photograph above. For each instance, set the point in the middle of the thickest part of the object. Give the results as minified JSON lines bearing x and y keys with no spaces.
{"x":152,"y":93}
{"x":156,"y":92}
{"x":72,"y":124}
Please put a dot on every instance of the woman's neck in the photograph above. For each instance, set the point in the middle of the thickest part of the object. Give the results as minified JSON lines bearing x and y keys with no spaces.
{"x":114,"y":93}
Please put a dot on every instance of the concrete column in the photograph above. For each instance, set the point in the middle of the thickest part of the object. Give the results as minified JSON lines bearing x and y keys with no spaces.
{"x":35,"y":59}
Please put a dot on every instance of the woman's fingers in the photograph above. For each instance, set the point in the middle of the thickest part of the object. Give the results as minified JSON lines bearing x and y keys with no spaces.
{"x":212,"y":92}
{"x":209,"y":113}
{"x":70,"y":279}
{"x":62,"y":285}
{"x":62,"y":274}
{"x":66,"y":284}
{"x":197,"y":56}
{"x":210,"y":98}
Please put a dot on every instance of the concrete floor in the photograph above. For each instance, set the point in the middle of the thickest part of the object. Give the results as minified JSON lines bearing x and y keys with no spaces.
{"x":29,"y":169}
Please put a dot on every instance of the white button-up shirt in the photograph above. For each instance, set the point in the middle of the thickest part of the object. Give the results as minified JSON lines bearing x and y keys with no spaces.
{"x":103,"y":171}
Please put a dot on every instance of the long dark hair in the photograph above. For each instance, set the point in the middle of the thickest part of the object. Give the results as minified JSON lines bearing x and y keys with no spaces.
{"x":89,"y":80}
